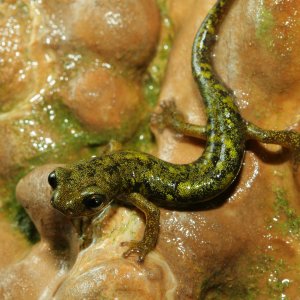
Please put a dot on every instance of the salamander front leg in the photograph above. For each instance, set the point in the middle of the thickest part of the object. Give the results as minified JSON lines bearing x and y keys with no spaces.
{"x":170,"y":117}
{"x":286,"y":138}
{"x":143,"y":247}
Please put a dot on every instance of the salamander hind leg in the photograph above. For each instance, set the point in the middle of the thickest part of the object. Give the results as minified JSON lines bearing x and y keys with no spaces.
{"x":286,"y":138}
{"x":170,"y":117}
{"x":148,"y":242}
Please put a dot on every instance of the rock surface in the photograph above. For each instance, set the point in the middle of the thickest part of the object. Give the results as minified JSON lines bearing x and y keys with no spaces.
{"x":62,"y":81}
{"x":40,"y":272}
{"x":248,"y":244}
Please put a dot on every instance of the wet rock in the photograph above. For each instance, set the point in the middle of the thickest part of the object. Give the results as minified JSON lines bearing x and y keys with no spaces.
{"x":122,"y":31}
{"x":22,"y":139}
{"x":125,"y":31}
{"x":245,"y":244}
{"x":41,"y":271}
{"x":221,"y":247}
{"x":13,"y":246}
{"x":51,"y":55}
{"x":105,"y":101}
{"x":14,"y":28}
{"x":101,"y":269}
{"x":49,"y":270}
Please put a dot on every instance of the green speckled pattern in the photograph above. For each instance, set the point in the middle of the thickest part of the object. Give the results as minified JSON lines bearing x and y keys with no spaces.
{"x":144,"y":180}
{"x":180,"y":185}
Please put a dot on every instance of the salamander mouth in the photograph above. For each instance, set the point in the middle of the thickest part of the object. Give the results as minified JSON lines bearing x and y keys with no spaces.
{"x":66,"y":211}
{"x":53,"y":197}
{"x":55,"y":204}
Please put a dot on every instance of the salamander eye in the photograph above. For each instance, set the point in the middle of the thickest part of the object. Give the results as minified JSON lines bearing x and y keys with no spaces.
{"x":93,"y":201}
{"x":52,"y":180}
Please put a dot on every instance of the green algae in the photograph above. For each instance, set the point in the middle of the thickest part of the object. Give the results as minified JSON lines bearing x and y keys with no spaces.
{"x":64,"y":141}
{"x":15,"y":212}
{"x":143,"y":139}
{"x":51,"y":133}
{"x":259,"y":277}
{"x":264,"y":26}
{"x":267,"y":274}
{"x":20,"y":220}
{"x":286,"y":219}
{"x":156,"y":70}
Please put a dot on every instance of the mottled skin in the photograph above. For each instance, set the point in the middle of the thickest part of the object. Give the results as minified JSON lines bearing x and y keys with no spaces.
{"x":145,"y":181}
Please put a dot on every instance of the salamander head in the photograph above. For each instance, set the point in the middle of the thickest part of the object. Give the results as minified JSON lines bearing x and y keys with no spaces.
{"x":81,"y":189}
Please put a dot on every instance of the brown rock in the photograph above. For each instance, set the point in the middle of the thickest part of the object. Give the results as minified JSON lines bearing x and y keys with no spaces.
{"x":122,"y":31}
{"x":41,"y":271}
{"x":101,"y":269}
{"x":221,"y":247}
{"x":241,"y":245}
{"x":13,"y":246}
{"x":126,"y":31}
{"x":14,"y":28}
{"x":104,"y":101}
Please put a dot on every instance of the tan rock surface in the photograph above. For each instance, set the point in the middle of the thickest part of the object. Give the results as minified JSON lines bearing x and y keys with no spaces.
{"x":124,"y":31}
{"x":39,"y":273}
{"x":247,"y":244}
{"x":113,"y":100}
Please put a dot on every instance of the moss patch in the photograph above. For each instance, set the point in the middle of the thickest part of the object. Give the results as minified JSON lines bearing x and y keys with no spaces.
{"x":50,"y":133}
{"x":286,"y":219}
{"x":258,"y":277}
{"x":264,"y":26}
{"x":156,"y":70}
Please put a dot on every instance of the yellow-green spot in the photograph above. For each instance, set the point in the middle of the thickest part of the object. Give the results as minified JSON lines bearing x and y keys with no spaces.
{"x":184,"y":188}
{"x":228,"y":143}
{"x":206,"y":74}
{"x":210,"y":27}
{"x":230,"y":123}
{"x":205,"y":66}
{"x":215,"y":138}
{"x":218,"y":86}
{"x":229,"y":101}
{"x":169,"y":197}
{"x":233,"y":153}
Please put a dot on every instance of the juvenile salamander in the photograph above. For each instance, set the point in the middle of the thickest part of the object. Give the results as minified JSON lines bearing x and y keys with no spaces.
{"x":145,"y":181}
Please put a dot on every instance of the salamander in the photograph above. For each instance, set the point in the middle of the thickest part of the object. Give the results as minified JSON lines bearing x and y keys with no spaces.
{"x":147,"y":182}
